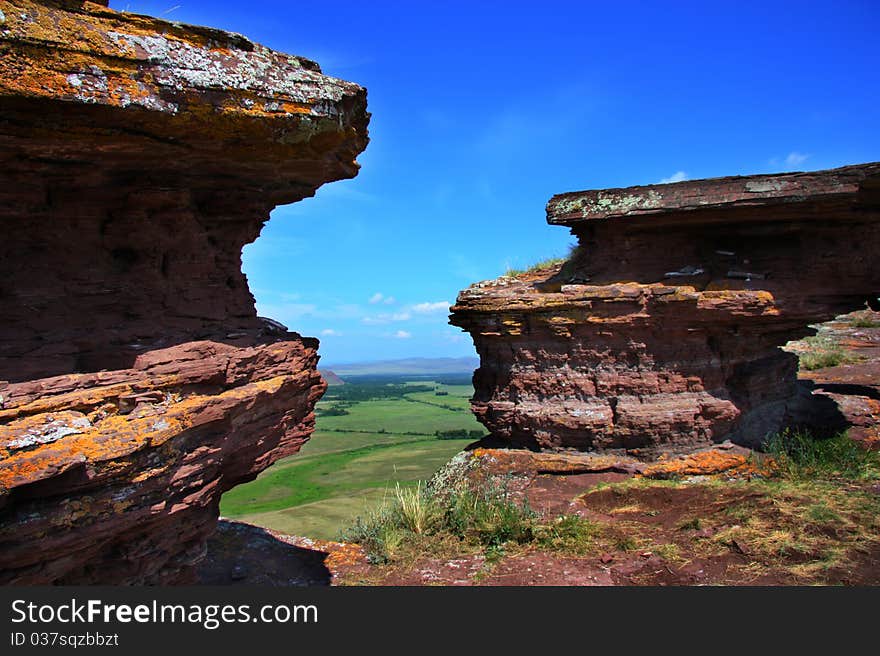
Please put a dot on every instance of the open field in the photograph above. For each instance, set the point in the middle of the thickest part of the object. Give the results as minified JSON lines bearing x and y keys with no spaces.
{"x":354,"y":459}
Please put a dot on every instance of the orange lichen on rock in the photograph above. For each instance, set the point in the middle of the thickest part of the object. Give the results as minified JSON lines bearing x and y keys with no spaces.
{"x":733,"y":463}
{"x":523,"y":461}
{"x":137,"y":384}
{"x":340,"y":555}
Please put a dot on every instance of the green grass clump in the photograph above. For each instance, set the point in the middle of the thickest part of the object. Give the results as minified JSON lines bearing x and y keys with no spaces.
{"x":537,"y":266}
{"x":799,"y":455}
{"x":823,"y":352}
{"x":544,"y":264}
{"x":568,"y":533}
{"x":486,"y":517}
{"x":864,"y":322}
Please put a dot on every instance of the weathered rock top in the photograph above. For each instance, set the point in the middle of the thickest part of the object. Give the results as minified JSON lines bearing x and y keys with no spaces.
{"x":162,"y":91}
{"x":714,"y":193}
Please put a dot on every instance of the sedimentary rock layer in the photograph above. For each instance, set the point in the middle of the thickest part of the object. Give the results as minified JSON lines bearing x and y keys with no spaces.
{"x":661,"y":332}
{"x":137,"y":158}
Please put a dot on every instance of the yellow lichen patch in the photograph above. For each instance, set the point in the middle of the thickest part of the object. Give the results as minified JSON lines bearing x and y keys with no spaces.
{"x":117,"y":436}
{"x":707,"y":463}
{"x":339,"y":554}
{"x":499,"y":461}
{"x":512,"y":326}
{"x":747,"y":301}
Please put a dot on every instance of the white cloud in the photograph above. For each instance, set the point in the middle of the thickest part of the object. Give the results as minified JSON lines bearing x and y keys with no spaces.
{"x":329,"y":332}
{"x":379,"y":297}
{"x":386,"y":318}
{"x":402,"y":334}
{"x":795,"y":159}
{"x":430,"y":308}
{"x":678,"y":176}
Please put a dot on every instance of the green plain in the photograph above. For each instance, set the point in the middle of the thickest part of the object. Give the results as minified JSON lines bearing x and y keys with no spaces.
{"x":339,"y":474}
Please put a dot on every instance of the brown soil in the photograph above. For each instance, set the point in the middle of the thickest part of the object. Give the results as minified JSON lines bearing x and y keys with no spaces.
{"x":658,"y":543}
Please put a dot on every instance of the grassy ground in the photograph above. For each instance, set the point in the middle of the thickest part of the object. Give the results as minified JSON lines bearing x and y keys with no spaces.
{"x":352,"y":461}
{"x":812,"y":517}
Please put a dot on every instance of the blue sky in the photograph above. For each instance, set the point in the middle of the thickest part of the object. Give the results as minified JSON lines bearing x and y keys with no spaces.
{"x":483,"y":110}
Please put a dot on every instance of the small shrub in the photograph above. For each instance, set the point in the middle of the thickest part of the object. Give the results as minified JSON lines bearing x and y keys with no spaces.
{"x":489,"y":516}
{"x":375,"y":533}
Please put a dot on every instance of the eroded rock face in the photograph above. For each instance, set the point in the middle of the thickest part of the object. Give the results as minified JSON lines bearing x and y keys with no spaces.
{"x":661,"y":333}
{"x":137,"y":158}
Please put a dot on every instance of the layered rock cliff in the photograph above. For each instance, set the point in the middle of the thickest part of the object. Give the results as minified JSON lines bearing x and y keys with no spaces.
{"x":662,"y":331}
{"x":137,"y":158}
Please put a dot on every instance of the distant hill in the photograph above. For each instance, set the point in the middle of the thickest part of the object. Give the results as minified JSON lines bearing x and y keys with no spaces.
{"x":415,"y":366}
{"x":331,"y":377}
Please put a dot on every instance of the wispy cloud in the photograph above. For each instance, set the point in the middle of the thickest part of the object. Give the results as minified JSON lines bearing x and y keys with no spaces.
{"x":330,"y":332}
{"x":790,"y":161}
{"x":678,"y":176}
{"x":379,"y":297}
{"x":795,"y":158}
{"x":386,"y":318}
{"x":431,"y":307}
{"x":401,"y":334}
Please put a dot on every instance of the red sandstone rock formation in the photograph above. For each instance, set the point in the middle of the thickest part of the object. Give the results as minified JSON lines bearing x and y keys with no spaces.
{"x":662,"y":330}
{"x":137,"y":157}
